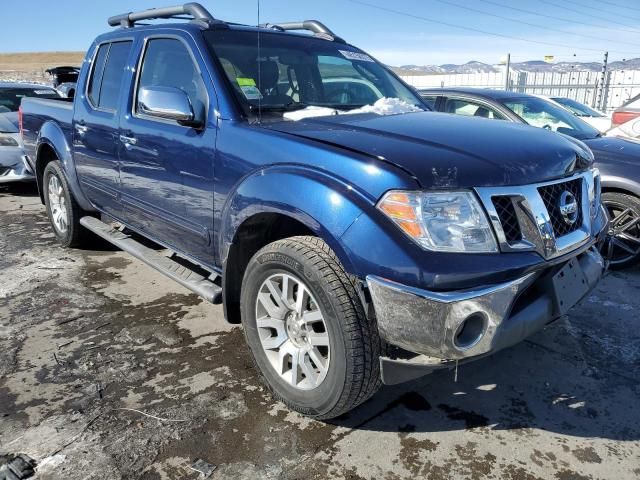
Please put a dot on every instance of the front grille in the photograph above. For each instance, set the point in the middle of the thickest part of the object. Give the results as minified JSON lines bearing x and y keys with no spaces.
{"x":508,"y":218}
{"x":551,"y":197}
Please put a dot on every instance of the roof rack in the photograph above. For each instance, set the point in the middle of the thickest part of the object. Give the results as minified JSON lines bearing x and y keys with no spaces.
{"x":319,"y":29}
{"x":189,"y":11}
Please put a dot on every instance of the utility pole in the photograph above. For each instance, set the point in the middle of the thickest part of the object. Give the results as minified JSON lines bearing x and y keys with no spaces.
{"x":506,"y":76}
{"x":603,"y":77}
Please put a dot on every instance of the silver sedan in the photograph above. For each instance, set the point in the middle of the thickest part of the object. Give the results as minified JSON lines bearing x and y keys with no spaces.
{"x":13,"y":165}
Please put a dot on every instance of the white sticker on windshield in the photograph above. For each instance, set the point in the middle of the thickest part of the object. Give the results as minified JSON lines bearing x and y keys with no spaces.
{"x":362,"y":57}
{"x":42,"y":92}
{"x":249,"y":88}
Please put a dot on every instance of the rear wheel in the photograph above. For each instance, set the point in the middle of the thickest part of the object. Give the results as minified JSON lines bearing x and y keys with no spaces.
{"x":62,"y":209}
{"x":306,"y":328}
{"x":622,"y":246}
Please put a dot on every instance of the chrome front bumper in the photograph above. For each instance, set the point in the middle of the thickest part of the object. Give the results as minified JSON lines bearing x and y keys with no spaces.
{"x":470,"y":323}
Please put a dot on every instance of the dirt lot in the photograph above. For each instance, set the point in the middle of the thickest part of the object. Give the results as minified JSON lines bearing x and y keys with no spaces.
{"x":87,"y":334}
{"x":30,"y":67}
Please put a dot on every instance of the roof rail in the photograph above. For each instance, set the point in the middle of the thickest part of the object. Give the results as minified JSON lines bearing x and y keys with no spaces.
{"x":194,"y":12}
{"x":318,"y":28}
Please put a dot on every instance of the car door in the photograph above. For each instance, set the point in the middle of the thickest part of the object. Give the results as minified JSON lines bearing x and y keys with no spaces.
{"x":95,"y":126}
{"x":166,"y":167}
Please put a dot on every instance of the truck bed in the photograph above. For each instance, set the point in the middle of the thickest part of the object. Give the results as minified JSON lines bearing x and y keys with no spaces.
{"x":36,"y":112}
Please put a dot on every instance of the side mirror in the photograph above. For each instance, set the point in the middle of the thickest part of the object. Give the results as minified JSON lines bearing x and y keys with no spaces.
{"x":167,"y":102}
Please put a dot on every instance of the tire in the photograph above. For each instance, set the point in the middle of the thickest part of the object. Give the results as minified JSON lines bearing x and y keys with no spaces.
{"x":62,"y":207}
{"x":622,"y":246}
{"x":351,"y":357}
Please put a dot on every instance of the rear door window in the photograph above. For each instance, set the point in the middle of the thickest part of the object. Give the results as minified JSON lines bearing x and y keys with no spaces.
{"x":106,"y":77}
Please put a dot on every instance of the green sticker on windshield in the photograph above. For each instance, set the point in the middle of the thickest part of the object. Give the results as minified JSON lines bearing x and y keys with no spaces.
{"x":246,"y":82}
{"x":249,"y":88}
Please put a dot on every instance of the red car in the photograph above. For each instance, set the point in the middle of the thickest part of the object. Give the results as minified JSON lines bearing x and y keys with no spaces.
{"x":627,"y":112}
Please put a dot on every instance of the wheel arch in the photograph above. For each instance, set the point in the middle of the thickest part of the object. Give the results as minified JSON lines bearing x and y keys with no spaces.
{"x":620,"y":185}
{"x":52,"y":144}
{"x":254,"y":233}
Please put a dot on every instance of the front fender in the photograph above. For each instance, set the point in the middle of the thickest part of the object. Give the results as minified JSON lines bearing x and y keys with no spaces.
{"x":53,"y":137}
{"x":324,"y":204}
{"x":620,"y":183}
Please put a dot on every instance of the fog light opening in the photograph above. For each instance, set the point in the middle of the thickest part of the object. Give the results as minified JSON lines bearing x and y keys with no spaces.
{"x":470,"y":331}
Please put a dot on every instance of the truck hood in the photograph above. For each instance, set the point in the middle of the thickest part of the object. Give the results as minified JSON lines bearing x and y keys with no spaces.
{"x":443,"y":150}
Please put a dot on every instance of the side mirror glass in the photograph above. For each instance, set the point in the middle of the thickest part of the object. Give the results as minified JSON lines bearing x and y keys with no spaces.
{"x":169,"y":103}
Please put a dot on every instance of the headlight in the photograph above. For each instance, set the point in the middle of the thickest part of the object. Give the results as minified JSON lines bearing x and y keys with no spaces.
{"x":8,"y":141}
{"x":440,"y":221}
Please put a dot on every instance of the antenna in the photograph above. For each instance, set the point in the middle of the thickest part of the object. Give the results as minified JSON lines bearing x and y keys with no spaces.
{"x":259,"y":71}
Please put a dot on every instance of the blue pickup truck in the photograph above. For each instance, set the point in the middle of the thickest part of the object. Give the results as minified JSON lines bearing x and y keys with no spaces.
{"x":357,"y":236}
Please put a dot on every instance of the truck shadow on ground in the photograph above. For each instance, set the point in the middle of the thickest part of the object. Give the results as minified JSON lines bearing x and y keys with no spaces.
{"x":19,"y":189}
{"x":528,"y":387}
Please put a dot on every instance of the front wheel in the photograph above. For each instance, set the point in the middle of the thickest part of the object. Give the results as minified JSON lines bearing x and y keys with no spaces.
{"x":62,"y":209}
{"x":622,"y":246}
{"x":306,"y":328}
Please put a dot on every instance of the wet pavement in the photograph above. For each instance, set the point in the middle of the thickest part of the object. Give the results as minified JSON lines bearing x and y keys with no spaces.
{"x":108,"y":371}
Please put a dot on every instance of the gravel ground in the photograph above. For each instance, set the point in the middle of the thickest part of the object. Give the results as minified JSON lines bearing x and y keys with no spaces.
{"x":89,"y":336}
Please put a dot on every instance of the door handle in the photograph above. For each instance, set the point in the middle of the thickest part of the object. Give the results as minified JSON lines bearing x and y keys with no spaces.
{"x":128,"y":141}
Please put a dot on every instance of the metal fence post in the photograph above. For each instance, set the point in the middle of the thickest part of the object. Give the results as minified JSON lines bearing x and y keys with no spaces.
{"x":602,"y":82}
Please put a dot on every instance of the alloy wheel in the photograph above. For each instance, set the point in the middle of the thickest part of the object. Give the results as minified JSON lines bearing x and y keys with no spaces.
{"x":623,"y":237}
{"x":292,"y":331}
{"x":57,"y":205}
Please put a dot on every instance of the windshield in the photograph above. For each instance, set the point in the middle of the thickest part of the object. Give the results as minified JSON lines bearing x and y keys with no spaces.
{"x":542,"y":113}
{"x":10,"y":98}
{"x":578,"y":108}
{"x":291,"y":72}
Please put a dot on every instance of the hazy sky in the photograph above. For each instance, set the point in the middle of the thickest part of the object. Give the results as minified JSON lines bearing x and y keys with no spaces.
{"x":396,"y":32}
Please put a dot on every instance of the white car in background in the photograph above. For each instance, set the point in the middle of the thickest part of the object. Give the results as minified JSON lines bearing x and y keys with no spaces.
{"x":596,"y":119}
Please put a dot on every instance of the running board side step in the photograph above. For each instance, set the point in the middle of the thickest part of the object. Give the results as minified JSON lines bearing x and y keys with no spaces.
{"x":194,"y":281}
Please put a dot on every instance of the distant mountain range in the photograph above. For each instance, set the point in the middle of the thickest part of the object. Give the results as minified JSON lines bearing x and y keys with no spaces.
{"x":529,"y":66}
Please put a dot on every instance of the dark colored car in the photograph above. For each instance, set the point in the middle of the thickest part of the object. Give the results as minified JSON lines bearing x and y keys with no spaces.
{"x":357,"y":238}
{"x":617,"y":159}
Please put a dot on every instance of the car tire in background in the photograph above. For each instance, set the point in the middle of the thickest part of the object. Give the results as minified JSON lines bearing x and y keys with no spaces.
{"x":307,"y":330}
{"x":622,"y":246}
{"x":62,"y":209}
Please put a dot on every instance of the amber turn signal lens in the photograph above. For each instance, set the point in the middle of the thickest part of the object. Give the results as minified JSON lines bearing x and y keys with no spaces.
{"x":411,"y":228}
{"x":397,"y":210}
